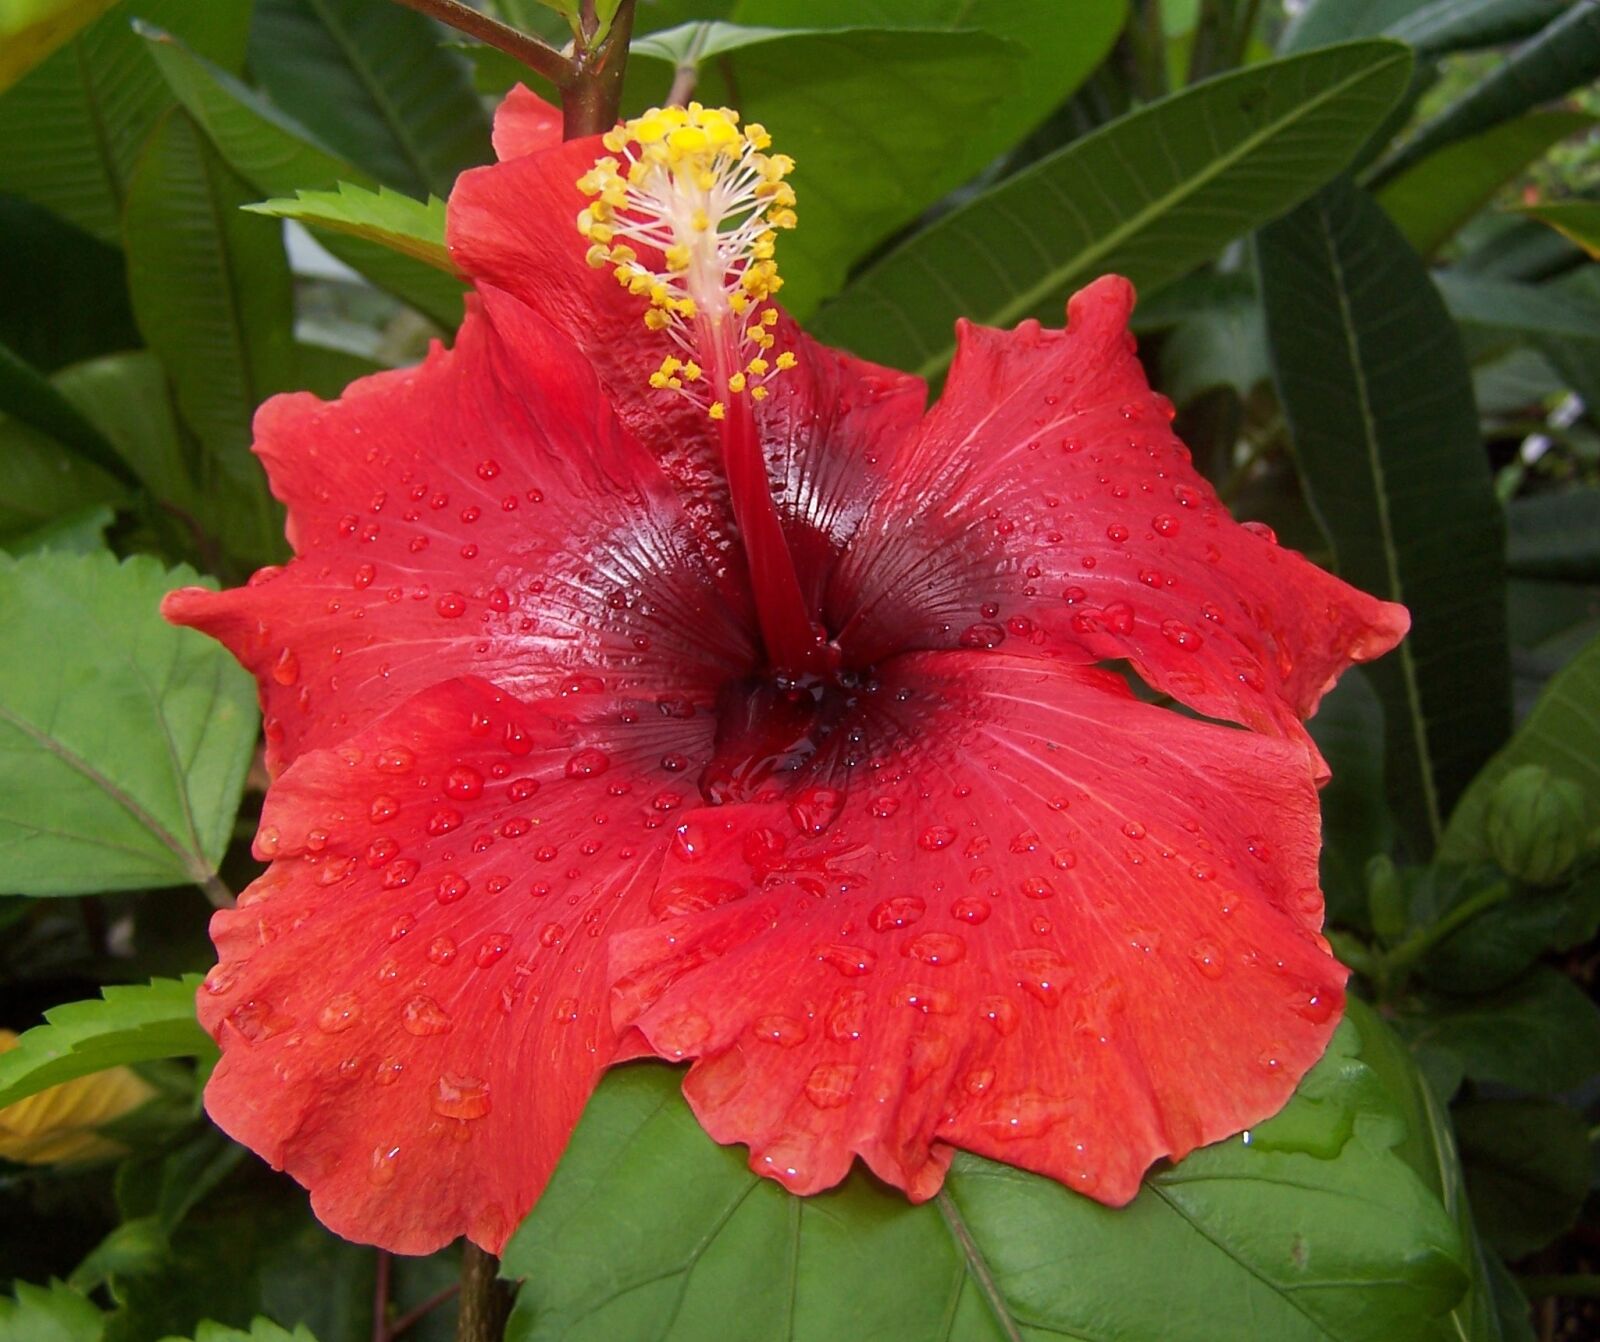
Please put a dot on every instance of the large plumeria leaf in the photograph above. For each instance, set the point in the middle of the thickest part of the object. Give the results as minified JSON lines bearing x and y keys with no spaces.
{"x":386,"y":217}
{"x":1562,"y":324}
{"x":129,"y":1024}
{"x":372,"y":81}
{"x":1564,"y":55}
{"x":1555,"y":536}
{"x":1151,"y":196}
{"x":878,"y":154}
{"x":1441,"y":193}
{"x":1562,"y":734}
{"x":31,"y":29}
{"x":1578,"y":220}
{"x":27,"y":396}
{"x":73,"y":128}
{"x":1376,"y":390}
{"x":279,"y":157}
{"x":49,"y":1314}
{"x":40,"y":483}
{"x":122,"y":767}
{"x":213,"y":295}
{"x":1314,"y":1227}
{"x":1431,"y":27}
{"x":1356,"y":824}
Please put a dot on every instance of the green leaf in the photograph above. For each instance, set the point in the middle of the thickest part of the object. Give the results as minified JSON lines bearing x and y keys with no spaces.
{"x":31,"y":29}
{"x":122,"y":768}
{"x":74,"y":127}
{"x":1555,"y":535}
{"x":128,"y":1024}
{"x":1376,"y":391}
{"x":1578,"y":220}
{"x":1565,"y":55}
{"x":1432,"y":27}
{"x":82,"y":532}
{"x":1151,"y":195}
{"x":1348,"y":729}
{"x":1562,"y":733}
{"x":212,"y":293}
{"x":40,"y":483}
{"x":386,"y":217}
{"x":279,"y":157}
{"x":371,"y":80}
{"x":1527,"y":1165}
{"x":1432,"y":200}
{"x":1315,"y":1229}
{"x":49,"y":1314}
{"x":260,"y":1330}
{"x":1563,"y":325}
{"x":1540,"y":1034}
{"x":865,"y":113}
{"x":27,"y":396}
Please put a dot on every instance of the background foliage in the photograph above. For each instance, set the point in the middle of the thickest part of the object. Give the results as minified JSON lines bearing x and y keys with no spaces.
{"x":1363,"y":233}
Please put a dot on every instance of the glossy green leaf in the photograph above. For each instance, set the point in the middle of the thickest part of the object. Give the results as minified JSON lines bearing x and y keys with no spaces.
{"x":279,"y":157}
{"x":1562,"y":733}
{"x":26,"y":396}
{"x":1563,"y":56}
{"x":1578,"y":220}
{"x":371,"y":80}
{"x":1541,"y":1034}
{"x":1563,"y":325}
{"x":1315,"y":1229}
{"x":40,"y":483}
{"x":386,"y":217}
{"x":129,"y":1024}
{"x":260,"y":1330}
{"x":1528,"y":1167}
{"x":1432,"y":200}
{"x":1151,"y":195}
{"x":1432,"y":27}
{"x":74,"y":127}
{"x":31,"y":29}
{"x":1376,"y":391}
{"x":213,"y":296}
{"x":123,"y":767}
{"x":865,"y":113}
{"x":1555,"y":535}
{"x":1356,"y":825}
{"x":49,"y":1314}
{"x":82,"y":532}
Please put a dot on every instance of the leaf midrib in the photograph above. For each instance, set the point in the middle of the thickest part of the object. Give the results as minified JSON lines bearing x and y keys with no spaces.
{"x":1031,"y":298}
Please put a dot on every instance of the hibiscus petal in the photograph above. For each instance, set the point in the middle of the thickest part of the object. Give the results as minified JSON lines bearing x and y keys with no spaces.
{"x":1049,"y":923}
{"x":1047,"y":503}
{"x":824,"y":427}
{"x":525,"y":123}
{"x":410,"y":1003}
{"x":482,"y":514}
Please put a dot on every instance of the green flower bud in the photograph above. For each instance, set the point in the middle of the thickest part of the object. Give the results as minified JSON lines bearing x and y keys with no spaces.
{"x":1535,"y":824}
{"x":1386,"y":899}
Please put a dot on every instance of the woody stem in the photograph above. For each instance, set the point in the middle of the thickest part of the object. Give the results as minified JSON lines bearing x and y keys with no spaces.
{"x":589,"y":100}
{"x":538,"y":56}
{"x":485,"y":1300}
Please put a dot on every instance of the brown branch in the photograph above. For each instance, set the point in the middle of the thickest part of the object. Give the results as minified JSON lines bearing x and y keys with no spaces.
{"x":485,"y":1299}
{"x":538,"y":56}
{"x":417,"y":1313}
{"x":589,"y":102}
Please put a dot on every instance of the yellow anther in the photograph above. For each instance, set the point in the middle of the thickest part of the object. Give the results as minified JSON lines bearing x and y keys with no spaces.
{"x":736,"y":383}
{"x":756,"y":367}
{"x":657,"y":320}
{"x":786,"y":360}
{"x":718,"y":410}
{"x":677,"y":256}
{"x":758,"y":393}
{"x":770,"y":317}
{"x":692,"y":371}
{"x":598,"y":256}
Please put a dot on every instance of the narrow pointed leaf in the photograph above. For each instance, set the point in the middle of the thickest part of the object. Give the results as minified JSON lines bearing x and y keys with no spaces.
{"x":1152,"y":195}
{"x":372,"y":80}
{"x":1578,"y":220}
{"x":40,"y":483}
{"x":73,"y":128}
{"x":123,"y":767}
{"x":1555,"y":535}
{"x":1436,"y":197}
{"x":1562,"y":734}
{"x":27,"y":396}
{"x":212,"y":295}
{"x":31,"y":29}
{"x":1564,"y":325}
{"x":1378,"y":397}
{"x":279,"y":157}
{"x":1431,"y":27}
{"x":386,"y":217}
{"x":1316,"y":1229}
{"x":1565,"y":55}
{"x":127,"y":1024}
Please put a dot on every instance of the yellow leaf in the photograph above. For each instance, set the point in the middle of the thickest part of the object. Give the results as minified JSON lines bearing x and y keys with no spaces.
{"x":61,"y":1124}
{"x":31,"y":29}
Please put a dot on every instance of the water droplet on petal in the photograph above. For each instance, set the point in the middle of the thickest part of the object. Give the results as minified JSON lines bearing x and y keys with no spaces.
{"x":423,"y":1016}
{"x":815,"y":809}
{"x":784,"y":1031}
{"x":451,"y":606}
{"x":936,"y":948}
{"x":851,"y":961}
{"x":442,"y":950}
{"x":588,"y":764}
{"x":394,"y":760}
{"x":458,"y":1096}
{"x":383,"y":1165}
{"x":286,"y":670}
{"x":901,"y":911}
{"x":339,"y":1013}
{"x":1041,"y":973}
{"x":970,"y":909}
{"x":830,"y":1083}
{"x":1207,"y":957}
{"x":1180,"y":635}
{"x":982,"y":635}
{"x":464,"y":782}
{"x":936,"y":837}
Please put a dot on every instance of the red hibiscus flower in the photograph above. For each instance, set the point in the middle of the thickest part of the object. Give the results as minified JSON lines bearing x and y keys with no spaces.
{"x":651,"y":680}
